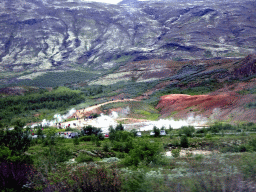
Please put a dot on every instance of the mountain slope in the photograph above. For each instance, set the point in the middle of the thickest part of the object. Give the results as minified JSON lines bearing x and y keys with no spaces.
{"x":42,"y":36}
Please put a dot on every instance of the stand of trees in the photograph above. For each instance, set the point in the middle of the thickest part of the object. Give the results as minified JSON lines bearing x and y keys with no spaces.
{"x":59,"y":99}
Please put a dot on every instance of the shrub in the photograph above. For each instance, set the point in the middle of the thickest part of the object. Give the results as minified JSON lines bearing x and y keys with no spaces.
{"x":84,"y":178}
{"x":101,"y":136}
{"x":187,"y":131}
{"x":98,"y":143}
{"x":82,"y":157}
{"x":89,"y":130}
{"x":120,"y":136}
{"x":143,"y":151}
{"x":16,"y":140}
{"x":175,"y":152}
{"x":119,"y":127}
{"x":184,"y":141}
{"x":156,"y":131}
{"x":247,"y":163}
{"x":76,"y":141}
{"x":199,"y":157}
{"x":134,"y":132}
{"x":85,"y":138}
{"x":203,"y":130}
{"x":118,"y":146}
{"x":252,"y":143}
{"x":106,"y":147}
{"x":95,"y":115}
{"x":48,"y":159}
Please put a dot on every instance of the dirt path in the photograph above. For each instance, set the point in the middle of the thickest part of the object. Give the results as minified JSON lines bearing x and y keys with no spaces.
{"x":80,"y":113}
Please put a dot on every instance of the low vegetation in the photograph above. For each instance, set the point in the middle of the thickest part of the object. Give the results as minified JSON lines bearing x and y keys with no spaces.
{"x":125,"y":162}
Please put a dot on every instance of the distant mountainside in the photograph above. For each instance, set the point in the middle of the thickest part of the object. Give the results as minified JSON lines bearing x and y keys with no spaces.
{"x":39,"y":36}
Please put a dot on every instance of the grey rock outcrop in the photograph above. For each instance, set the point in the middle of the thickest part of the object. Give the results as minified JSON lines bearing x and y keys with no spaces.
{"x":48,"y":35}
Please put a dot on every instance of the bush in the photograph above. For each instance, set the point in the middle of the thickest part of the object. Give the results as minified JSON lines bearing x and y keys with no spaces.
{"x":95,"y":115}
{"x":252,"y":143}
{"x":118,"y":146}
{"x":16,"y":140}
{"x":48,"y":159}
{"x":85,"y":138}
{"x":101,"y":136}
{"x":82,"y":157}
{"x":143,"y":151}
{"x":106,"y":147}
{"x":120,"y":136}
{"x":184,"y":141}
{"x":90,"y":130}
{"x":175,"y":152}
{"x":119,"y":127}
{"x":187,"y":131}
{"x":98,"y":143}
{"x":76,"y":141}
{"x":156,"y":131}
{"x":85,"y":178}
{"x":203,"y":130}
{"x":134,"y":132}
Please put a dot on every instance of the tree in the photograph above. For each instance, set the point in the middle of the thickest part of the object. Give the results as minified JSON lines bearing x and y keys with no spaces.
{"x":184,"y":141}
{"x":119,"y":127}
{"x":89,"y":130}
{"x":15,"y":142}
{"x":156,"y":131}
{"x":187,"y":130}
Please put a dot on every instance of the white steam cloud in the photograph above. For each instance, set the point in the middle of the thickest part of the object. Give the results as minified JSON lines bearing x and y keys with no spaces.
{"x":57,"y":119}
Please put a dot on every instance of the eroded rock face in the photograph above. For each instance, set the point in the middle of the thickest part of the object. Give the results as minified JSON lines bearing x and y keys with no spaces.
{"x":247,"y":67}
{"x":43,"y":35}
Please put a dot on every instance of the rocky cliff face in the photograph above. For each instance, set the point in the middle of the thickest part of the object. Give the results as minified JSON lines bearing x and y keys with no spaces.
{"x":48,"y":35}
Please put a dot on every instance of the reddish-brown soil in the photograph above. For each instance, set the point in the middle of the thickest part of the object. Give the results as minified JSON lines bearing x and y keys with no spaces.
{"x":222,"y":106}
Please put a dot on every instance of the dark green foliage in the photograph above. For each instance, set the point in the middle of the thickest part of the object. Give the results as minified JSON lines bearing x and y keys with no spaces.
{"x":156,"y":131}
{"x":217,"y":127}
{"x":184,"y":141}
{"x":90,"y":130}
{"x":119,"y":127}
{"x":248,"y":166}
{"x":82,"y":157}
{"x":252,"y":143}
{"x":13,"y":143}
{"x":132,"y":89}
{"x":121,"y":141}
{"x":48,"y":159}
{"x":106,"y":147}
{"x":49,"y":141}
{"x":187,"y":131}
{"x":135,"y":182}
{"x":18,"y":106}
{"x":120,"y":136}
{"x":85,"y":138}
{"x":175,"y":152}
{"x":111,"y":129}
{"x":68,"y":129}
{"x":95,"y":115}
{"x":76,"y":141}
{"x":101,"y":136}
{"x":54,"y":79}
{"x":203,"y":130}
{"x":143,"y":151}
{"x":134,"y":132}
